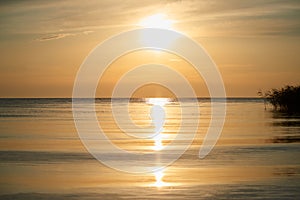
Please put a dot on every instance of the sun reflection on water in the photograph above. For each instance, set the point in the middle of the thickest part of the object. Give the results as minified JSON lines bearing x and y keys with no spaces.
{"x":158,"y":120}
{"x":158,"y":145}
{"x":158,"y":178}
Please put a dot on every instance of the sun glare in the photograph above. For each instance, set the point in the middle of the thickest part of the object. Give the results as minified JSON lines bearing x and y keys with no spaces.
{"x":158,"y":101}
{"x":159,"y":20}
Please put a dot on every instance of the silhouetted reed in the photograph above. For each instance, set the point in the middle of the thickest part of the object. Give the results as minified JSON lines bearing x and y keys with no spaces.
{"x":286,"y":99}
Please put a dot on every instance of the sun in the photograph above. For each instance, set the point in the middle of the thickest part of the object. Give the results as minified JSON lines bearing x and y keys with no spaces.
{"x":159,"y":20}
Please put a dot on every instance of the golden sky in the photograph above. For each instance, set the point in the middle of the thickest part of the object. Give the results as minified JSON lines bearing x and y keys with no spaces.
{"x":255,"y":44}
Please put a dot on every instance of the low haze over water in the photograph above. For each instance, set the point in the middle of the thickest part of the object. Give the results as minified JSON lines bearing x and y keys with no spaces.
{"x":42,"y":157}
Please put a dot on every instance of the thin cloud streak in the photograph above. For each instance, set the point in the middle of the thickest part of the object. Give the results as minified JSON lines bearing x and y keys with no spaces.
{"x":55,"y":37}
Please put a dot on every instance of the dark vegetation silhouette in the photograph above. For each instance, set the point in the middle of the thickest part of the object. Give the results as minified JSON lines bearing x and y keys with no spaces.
{"x":286,"y":99}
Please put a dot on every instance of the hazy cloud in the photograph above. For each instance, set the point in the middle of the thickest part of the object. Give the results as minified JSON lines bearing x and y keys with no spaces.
{"x":201,"y":18}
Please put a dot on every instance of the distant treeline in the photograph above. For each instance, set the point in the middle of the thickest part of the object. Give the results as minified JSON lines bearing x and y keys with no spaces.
{"x":286,"y":99}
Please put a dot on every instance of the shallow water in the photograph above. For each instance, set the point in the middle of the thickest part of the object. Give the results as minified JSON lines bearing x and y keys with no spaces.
{"x":42,"y":157}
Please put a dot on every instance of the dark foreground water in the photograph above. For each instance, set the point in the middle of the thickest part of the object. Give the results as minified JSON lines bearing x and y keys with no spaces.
{"x":42,"y":157}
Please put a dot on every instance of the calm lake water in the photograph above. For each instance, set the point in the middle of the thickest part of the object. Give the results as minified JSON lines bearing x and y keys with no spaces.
{"x":42,"y":157}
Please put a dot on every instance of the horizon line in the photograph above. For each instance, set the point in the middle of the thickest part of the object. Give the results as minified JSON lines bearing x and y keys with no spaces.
{"x":229,"y":97}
